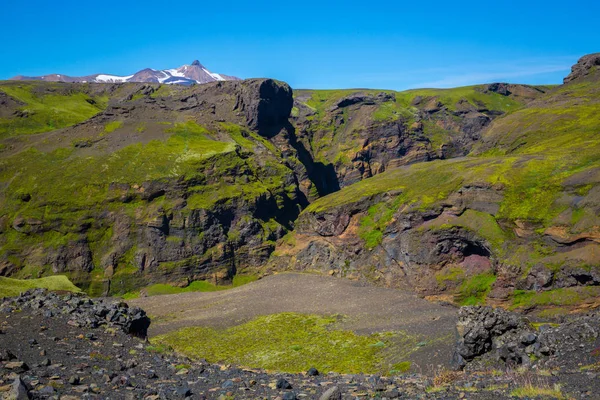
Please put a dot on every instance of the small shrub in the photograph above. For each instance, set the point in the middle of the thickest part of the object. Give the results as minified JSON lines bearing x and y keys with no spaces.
{"x":444,"y":377}
{"x":531,"y":391}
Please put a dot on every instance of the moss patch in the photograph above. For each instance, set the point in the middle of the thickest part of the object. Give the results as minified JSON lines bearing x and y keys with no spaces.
{"x":556,"y":297}
{"x":534,"y":392}
{"x":13,"y":287}
{"x":46,"y":110}
{"x":474,"y":290}
{"x":287,"y":342}
{"x":112,"y":126}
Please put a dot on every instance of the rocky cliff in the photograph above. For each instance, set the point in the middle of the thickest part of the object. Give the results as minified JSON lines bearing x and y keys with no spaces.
{"x":162,"y":184}
{"x":360,"y":133}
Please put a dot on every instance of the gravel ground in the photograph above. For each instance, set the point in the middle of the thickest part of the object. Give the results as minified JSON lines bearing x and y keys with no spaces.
{"x":369,"y":309}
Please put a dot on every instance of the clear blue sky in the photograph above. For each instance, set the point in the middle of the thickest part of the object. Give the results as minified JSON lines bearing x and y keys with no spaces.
{"x":309,"y":44}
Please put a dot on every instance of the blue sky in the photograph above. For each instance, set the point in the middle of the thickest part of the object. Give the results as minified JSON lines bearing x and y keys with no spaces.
{"x":309,"y":44}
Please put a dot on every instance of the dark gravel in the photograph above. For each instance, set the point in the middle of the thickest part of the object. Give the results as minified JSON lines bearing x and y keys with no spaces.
{"x":45,"y":356}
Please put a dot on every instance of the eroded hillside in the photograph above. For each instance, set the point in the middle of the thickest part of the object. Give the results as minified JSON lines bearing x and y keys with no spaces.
{"x":482,"y":193}
{"x":514,"y":222}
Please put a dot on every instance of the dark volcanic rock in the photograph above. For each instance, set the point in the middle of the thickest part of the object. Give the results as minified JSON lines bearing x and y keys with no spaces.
{"x":82,"y":312}
{"x":484,"y":330}
{"x":101,"y":369}
{"x":267,"y":105}
{"x":583,"y":67}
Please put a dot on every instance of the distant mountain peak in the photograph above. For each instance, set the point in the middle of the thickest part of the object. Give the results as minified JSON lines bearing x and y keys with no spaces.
{"x":196,"y":73}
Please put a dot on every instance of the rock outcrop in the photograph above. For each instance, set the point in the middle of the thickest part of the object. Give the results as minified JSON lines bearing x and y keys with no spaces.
{"x":584,"y":67}
{"x":495,"y":337}
{"x":81,"y":311}
{"x":267,"y":105}
{"x":484,"y":329}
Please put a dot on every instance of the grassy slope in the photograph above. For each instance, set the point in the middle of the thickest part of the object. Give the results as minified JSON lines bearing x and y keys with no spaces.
{"x":48,"y":106}
{"x":531,"y":152}
{"x":12,"y":287}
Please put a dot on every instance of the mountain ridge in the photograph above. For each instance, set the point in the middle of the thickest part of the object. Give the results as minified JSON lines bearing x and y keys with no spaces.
{"x":194,"y":73}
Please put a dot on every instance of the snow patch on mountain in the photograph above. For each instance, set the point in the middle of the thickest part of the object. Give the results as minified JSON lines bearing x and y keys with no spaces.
{"x":111,"y":78}
{"x":195,"y":73}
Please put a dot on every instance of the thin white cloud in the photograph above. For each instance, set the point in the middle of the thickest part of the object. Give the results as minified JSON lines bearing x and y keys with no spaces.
{"x":520,"y":70}
{"x":471,"y":78}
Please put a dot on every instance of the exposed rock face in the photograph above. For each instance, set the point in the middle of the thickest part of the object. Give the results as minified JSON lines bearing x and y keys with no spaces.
{"x":414,"y":248}
{"x":583,"y":67}
{"x":267,"y":105}
{"x":488,"y":336}
{"x":8,"y":105}
{"x":365,"y":133}
{"x":437,"y":227}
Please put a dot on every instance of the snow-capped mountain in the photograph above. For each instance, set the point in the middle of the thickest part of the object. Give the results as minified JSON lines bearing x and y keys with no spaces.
{"x":184,"y":75}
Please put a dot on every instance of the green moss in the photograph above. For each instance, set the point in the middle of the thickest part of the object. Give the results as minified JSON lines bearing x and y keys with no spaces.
{"x":474,"y":290}
{"x":239,"y":280}
{"x":195,"y":286}
{"x":85,"y":181}
{"x":452,"y":274}
{"x":283,"y":342}
{"x":46,"y":110}
{"x":401,"y":367}
{"x":483,"y":224}
{"x":474,"y":95}
{"x":12,"y":287}
{"x":385,"y":112}
{"x":112,"y":126}
{"x":420,"y":184}
{"x":553,"y":312}
{"x":556,"y":297}
{"x":373,"y":224}
{"x":159,"y":349}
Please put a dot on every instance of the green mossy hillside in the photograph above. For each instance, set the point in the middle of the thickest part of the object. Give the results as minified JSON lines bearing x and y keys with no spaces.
{"x":13,"y":287}
{"x":191,"y":172}
{"x":48,"y":106}
{"x":77,"y":183}
{"x":534,"y":176}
